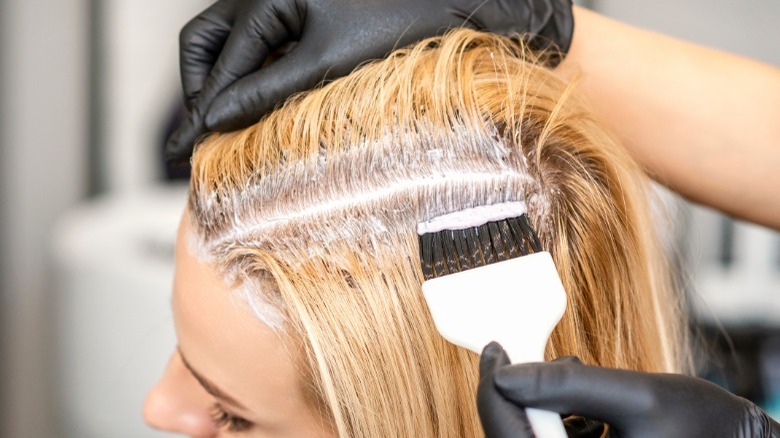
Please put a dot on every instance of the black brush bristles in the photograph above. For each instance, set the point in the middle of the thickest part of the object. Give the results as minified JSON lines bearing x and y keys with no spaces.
{"x":426,"y":257}
{"x":451,"y":256}
{"x":462,"y":248}
{"x":499,"y":248}
{"x":530,"y":233}
{"x":475,"y":253}
{"x":439,"y":259}
{"x":518,"y":235}
{"x":512,"y":250}
{"x":450,"y":251}
{"x":486,"y":245}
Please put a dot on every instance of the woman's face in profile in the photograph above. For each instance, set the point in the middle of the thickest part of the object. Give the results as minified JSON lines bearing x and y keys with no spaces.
{"x":231,"y":374}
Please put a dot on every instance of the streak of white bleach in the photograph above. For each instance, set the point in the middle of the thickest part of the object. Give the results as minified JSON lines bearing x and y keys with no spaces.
{"x":267,"y":313}
{"x":197,"y":247}
{"x":472,"y":217}
{"x":242,"y":229}
{"x":249,"y":290}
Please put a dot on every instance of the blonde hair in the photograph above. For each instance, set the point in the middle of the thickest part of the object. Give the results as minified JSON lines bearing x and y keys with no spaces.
{"x":313,"y":210}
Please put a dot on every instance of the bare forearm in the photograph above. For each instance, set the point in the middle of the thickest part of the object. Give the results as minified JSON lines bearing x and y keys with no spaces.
{"x":704,"y":123}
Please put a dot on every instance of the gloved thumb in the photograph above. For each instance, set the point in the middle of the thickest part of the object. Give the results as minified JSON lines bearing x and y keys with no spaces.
{"x":500,"y":417}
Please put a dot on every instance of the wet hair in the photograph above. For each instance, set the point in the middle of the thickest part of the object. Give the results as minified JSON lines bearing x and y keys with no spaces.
{"x":311,"y":214}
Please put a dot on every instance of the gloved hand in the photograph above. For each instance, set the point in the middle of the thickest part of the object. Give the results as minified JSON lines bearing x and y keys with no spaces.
{"x":634,"y":404}
{"x":501,"y":418}
{"x":222,"y":49}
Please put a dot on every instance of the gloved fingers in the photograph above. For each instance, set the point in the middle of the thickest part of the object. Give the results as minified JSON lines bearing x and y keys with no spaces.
{"x":258,"y":32}
{"x":500,"y":417}
{"x":568,"y":386}
{"x":546,"y":27}
{"x":180,"y":144}
{"x":200,"y":43}
{"x":247,"y":99}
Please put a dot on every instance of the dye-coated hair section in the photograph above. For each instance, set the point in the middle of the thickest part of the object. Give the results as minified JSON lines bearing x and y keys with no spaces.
{"x":316,"y":207}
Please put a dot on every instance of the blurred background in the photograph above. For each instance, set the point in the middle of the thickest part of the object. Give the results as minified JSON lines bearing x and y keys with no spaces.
{"x":89,"y":90}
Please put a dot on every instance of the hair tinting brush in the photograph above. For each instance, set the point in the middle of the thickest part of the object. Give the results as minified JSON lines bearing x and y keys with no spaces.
{"x":487,"y":279}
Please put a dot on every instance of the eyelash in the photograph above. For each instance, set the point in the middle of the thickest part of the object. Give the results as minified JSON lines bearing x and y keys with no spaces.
{"x":222,"y":418}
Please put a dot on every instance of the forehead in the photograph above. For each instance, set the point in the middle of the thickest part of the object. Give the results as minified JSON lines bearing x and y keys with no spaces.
{"x":227,"y":344}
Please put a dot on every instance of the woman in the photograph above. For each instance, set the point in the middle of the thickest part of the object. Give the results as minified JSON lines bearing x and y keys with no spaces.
{"x":297,"y":297}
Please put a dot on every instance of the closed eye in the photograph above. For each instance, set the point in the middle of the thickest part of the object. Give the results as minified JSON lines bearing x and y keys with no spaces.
{"x":224,"y":419}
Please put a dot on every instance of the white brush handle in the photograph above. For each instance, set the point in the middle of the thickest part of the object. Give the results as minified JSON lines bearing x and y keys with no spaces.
{"x":516,"y":302}
{"x":546,"y":424}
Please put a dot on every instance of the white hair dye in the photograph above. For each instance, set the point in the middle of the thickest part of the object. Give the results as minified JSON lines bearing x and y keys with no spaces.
{"x":472,"y":217}
{"x":247,"y":289}
{"x":250,"y":290}
{"x":198,"y":247}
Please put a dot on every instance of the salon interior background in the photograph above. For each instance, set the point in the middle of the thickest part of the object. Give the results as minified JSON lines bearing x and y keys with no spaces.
{"x":88,"y":89}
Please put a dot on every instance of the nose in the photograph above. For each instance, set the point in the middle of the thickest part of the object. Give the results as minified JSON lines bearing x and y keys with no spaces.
{"x":177,"y":403}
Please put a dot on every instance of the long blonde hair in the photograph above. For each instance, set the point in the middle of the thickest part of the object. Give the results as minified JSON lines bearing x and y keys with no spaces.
{"x":312,"y":213}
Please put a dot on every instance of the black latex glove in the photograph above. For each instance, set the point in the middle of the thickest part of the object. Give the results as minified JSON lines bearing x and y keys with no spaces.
{"x":503,"y":418}
{"x":500,"y":417}
{"x":634,"y":404}
{"x":223,"y":48}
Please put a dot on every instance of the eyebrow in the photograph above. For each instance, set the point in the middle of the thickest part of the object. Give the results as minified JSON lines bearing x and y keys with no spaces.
{"x":209,"y":386}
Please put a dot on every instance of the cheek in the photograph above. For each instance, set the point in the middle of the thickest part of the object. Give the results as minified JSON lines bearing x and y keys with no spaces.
{"x":177,"y":403}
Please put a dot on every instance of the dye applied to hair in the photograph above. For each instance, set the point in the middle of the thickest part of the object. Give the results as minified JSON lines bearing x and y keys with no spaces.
{"x":319,"y":202}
